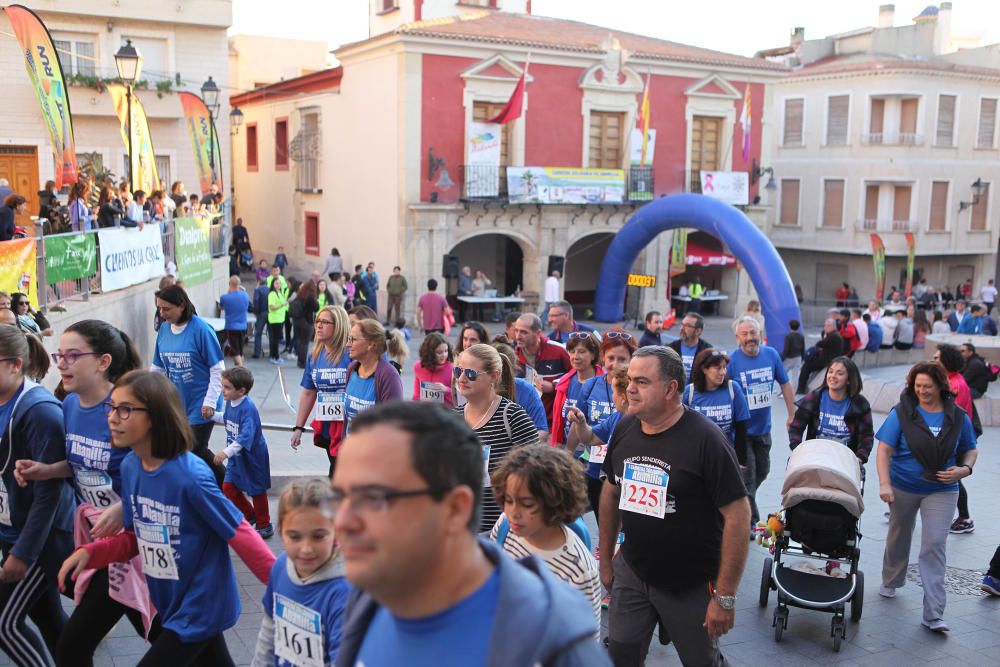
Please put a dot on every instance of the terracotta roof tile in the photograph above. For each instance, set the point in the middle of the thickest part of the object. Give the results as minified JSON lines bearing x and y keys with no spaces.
{"x":849,"y":64}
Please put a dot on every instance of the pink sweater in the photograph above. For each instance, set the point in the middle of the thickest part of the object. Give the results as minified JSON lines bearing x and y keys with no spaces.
{"x":441,"y":375}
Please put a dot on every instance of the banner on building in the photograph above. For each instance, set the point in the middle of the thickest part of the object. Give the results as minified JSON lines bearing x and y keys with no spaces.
{"x":45,"y":72}
{"x":130,"y":256}
{"x":732,"y":187}
{"x":911,"y":247}
{"x":18,"y":268}
{"x":191,"y":250}
{"x":204,"y":140}
{"x":878,"y":262}
{"x":143,"y":159}
{"x":70,"y":257}
{"x":635,"y":147}
{"x":482,"y":162}
{"x":565,"y":185}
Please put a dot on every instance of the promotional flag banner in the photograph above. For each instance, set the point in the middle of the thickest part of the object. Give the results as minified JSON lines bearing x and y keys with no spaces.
{"x":910,"y":250}
{"x":143,"y":163}
{"x":194,"y":259}
{"x":45,"y":71}
{"x":878,"y":262}
{"x":18,"y":268}
{"x":70,"y":257}
{"x":202,"y":131}
{"x":745,"y":123}
{"x":512,"y":110}
{"x":678,"y":251}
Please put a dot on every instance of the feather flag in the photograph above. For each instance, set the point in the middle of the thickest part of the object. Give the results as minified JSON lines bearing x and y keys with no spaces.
{"x":745,"y":123}
{"x":512,"y":110}
{"x":644,"y":121}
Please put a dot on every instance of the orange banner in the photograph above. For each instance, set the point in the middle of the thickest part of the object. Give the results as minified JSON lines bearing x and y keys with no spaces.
{"x":42,"y":63}
{"x":204,"y":140}
{"x":19,"y":268}
{"x":878,"y":262}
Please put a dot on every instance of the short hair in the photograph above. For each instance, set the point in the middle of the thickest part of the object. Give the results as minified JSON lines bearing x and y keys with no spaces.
{"x":745,"y":319}
{"x":972,"y":348}
{"x":950,"y":357}
{"x":428,"y":350}
{"x":234,"y":281}
{"x":707,"y":358}
{"x":536,"y":322}
{"x":794,"y":325}
{"x":670,"y":365}
{"x":562,"y":305}
{"x":170,"y":433}
{"x":856,"y":313}
{"x":844,"y":312}
{"x":977,"y":308}
{"x":935,"y":372}
{"x":551,"y":476}
{"x":651,"y":314}
{"x":175,"y":295}
{"x":432,"y":284}
{"x":139,"y":194}
{"x":610,"y":342}
{"x":510,"y":319}
{"x":699,"y":321}
{"x":14,"y":200}
{"x":589,"y":341}
{"x":854,"y":382}
{"x":866,"y":317}
{"x":444,"y":451}
{"x":240,"y":377}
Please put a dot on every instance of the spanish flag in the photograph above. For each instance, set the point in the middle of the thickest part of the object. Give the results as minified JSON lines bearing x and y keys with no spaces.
{"x":644,"y":121}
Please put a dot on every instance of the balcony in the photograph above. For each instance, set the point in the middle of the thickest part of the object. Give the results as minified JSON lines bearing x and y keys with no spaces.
{"x":878,"y":225}
{"x":485,"y":183}
{"x":892,"y":139}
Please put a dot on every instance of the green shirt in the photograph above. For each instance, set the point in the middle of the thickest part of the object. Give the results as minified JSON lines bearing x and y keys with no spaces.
{"x":276,"y":315}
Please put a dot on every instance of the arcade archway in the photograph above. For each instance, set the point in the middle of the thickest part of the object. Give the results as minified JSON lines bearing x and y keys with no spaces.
{"x":579,"y":278}
{"x":498,"y":256}
{"x":761,"y":261}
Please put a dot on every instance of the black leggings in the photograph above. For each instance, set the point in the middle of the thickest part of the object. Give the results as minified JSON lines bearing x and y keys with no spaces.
{"x":168,"y":649}
{"x":274,"y":338}
{"x":202,"y":434}
{"x":963,"y":502}
{"x":36,"y":596}
{"x":594,"y":487}
{"x":94,"y":618}
{"x":994,"y":570}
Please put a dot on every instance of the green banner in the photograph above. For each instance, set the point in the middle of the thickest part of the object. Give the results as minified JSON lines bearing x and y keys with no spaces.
{"x":70,"y":257}
{"x":191,"y":250}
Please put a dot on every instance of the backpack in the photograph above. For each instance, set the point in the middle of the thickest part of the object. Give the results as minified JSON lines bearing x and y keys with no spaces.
{"x":578,"y":526}
{"x":994,"y":371}
{"x":732,"y":395}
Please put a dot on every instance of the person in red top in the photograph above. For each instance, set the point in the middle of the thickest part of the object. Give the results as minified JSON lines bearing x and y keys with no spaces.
{"x":843,"y":293}
{"x":544,"y":361}
{"x":583,"y":349}
{"x":430,"y":309}
{"x":848,"y":332}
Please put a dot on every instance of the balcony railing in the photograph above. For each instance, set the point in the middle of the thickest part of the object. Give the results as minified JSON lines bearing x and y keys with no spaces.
{"x":485,"y":183}
{"x":892,"y":139}
{"x":878,"y":225}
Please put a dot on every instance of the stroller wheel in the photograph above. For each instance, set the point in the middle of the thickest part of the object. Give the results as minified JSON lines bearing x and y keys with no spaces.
{"x":765,"y":581}
{"x":836,"y":643}
{"x":858,"y":599}
{"x":780,"y":621}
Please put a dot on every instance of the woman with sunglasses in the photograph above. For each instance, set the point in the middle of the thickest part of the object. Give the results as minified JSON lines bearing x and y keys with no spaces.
{"x":36,"y":520}
{"x":486,"y":379}
{"x":720,"y":399}
{"x":92,"y":356}
{"x":371,"y":378}
{"x":323,"y":383}
{"x":27,"y":319}
{"x":582,"y":347}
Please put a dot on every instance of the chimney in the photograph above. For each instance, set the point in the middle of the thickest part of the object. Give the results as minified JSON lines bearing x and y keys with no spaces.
{"x":886,"y":16}
{"x":798,"y":36}
{"x":942,"y":32}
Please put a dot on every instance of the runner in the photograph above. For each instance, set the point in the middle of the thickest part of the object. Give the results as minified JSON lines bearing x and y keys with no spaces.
{"x":525,"y":393}
{"x":324,"y":380}
{"x":542,"y":359}
{"x":189,"y":354}
{"x":583,"y":349}
{"x":177,"y":520}
{"x":836,"y":411}
{"x":371,"y":379}
{"x":720,"y":399}
{"x":471,"y":334}
{"x":690,"y":342}
{"x":432,"y":372}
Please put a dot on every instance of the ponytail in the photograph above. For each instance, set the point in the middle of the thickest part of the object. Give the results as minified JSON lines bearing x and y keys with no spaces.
{"x":16,"y":344}
{"x":395,"y":343}
{"x":38,"y":359}
{"x":506,"y":385}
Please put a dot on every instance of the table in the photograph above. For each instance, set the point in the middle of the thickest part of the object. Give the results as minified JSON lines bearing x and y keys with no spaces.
{"x":495,"y":300}
{"x":714,"y":297}
{"x":219,"y":323}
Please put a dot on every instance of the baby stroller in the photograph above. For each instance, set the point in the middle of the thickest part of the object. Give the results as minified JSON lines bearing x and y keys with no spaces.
{"x":822,"y":498}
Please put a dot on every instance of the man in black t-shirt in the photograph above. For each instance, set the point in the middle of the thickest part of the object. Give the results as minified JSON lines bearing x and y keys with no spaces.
{"x":675,"y":486}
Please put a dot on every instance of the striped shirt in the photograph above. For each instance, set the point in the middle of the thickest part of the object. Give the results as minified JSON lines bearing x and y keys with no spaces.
{"x":572,"y":562}
{"x":501,"y":437}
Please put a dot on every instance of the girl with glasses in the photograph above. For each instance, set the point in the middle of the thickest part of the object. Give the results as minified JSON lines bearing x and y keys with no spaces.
{"x":486,"y":379}
{"x":432,"y":372}
{"x":371,"y":378}
{"x":36,"y":520}
{"x":177,"y":522}
{"x":582,"y":347}
{"x":324,"y":382}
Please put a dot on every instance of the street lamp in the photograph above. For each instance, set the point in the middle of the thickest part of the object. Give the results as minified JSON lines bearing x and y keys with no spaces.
{"x":128,"y":60}
{"x":235,"y":120}
{"x":977,"y":192}
{"x":210,"y":95}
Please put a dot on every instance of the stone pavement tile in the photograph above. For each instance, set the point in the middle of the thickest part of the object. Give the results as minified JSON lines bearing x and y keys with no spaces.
{"x":891,"y":658}
{"x":981,"y":639}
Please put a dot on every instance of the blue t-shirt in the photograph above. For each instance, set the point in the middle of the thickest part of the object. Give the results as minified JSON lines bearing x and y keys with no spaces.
{"x":95,"y":463}
{"x":573,"y":392}
{"x":326,"y":377}
{"x":458,"y":636}
{"x":183,"y":525}
{"x":758,"y":376}
{"x":360,"y":396}
{"x":905,"y":470}
{"x":597,"y":405}
{"x":309,"y":616}
{"x":187,"y":358}
{"x":527,"y":397}
{"x":235,"y":306}
{"x":831,"y":418}
{"x":688,"y":354}
{"x":250,"y":469}
{"x":718,"y":406}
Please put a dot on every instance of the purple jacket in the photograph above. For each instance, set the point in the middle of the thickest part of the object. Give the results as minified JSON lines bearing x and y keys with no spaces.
{"x":388,"y":384}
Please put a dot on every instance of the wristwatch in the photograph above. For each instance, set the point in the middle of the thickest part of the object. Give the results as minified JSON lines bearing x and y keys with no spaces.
{"x":727,"y":602}
{"x":299,"y":428}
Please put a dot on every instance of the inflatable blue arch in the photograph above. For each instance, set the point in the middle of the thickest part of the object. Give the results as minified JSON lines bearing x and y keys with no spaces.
{"x":726,"y":223}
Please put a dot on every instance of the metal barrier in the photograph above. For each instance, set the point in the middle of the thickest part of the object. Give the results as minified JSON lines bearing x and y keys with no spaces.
{"x":285,"y":428}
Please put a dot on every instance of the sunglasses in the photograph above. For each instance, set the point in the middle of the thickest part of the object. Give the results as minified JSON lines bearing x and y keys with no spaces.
{"x":470,"y":374}
{"x":619,"y":334}
{"x":580,"y":334}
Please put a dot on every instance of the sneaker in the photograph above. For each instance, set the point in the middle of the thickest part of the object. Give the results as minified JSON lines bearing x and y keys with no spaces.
{"x":278,"y":362}
{"x":887,"y":592}
{"x":960,"y":526}
{"x":266,"y":532}
{"x":937,"y":625}
{"x":991,"y":585}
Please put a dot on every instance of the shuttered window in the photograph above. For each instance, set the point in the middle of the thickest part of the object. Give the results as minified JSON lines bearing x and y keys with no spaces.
{"x":939,"y":206}
{"x":837,"y":109}
{"x":901,"y":204}
{"x":281,"y":144}
{"x":908,"y":120}
{"x":706,"y":141}
{"x":482,"y":112}
{"x":793,"y":122}
{"x":252,"y":146}
{"x":606,"y":139}
{"x":312,"y":233}
{"x":871,"y":206}
{"x":945,"y":135}
{"x":789,"y":201}
{"x":986,"y":136}
{"x":877,"y":121}
{"x":978,"y":222}
{"x":833,"y":203}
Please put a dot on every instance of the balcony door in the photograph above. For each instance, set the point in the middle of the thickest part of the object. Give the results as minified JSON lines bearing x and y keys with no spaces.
{"x":706,"y":142}
{"x":607,"y":140}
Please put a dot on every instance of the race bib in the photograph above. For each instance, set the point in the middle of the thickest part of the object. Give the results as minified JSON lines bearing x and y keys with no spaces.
{"x":95,"y":487}
{"x":155,"y":550}
{"x":4,"y":506}
{"x":598,"y":453}
{"x":330,"y":406}
{"x":644,"y":490}
{"x":486,"y":465}
{"x":430,"y":391}
{"x":298,"y":633}
{"x":759,"y":396}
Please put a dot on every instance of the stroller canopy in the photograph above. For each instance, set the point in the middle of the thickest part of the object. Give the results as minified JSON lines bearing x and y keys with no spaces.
{"x":823,"y":470}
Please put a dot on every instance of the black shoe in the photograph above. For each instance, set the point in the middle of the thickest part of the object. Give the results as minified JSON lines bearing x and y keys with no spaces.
{"x":266,"y":531}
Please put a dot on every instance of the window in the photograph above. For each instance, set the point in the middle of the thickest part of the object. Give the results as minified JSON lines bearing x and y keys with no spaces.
{"x":901,"y":197}
{"x":312,"y":234}
{"x":606,"y":139}
{"x":871,"y":206}
{"x":482,"y":112}
{"x":389,"y":5}
{"x":876,"y":121}
{"x":706,"y":140}
{"x":154,"y":58}
{"x":978,"y":222}
{"x":163,"y":169}
{"x":833,"y":203}
{"x":76,"y":56}
{"x":939,"y":206}
{"x":945,"y":135}
{"x":251,"y":146}
{"x":305,"y":150}
{"x":281,"y":144}
{"x":986,"y":137}
{"x":837,"y":110}
{"x":793,"y":122}
{"x":908,"y":121}
{"x":789,"y":201}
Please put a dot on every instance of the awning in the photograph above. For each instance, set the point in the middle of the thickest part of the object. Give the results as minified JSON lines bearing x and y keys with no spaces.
{"x":698,"y":256}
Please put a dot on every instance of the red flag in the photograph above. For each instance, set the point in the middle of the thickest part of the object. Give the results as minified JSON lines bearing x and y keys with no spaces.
{"x":512,"y":110}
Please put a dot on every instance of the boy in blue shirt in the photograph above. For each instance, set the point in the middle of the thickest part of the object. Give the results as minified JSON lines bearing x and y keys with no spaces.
{"x":280,"y":259}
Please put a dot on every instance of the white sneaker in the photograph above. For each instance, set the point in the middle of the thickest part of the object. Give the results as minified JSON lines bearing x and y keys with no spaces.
{"x":887,"y":592}
{"x":937,"y":625}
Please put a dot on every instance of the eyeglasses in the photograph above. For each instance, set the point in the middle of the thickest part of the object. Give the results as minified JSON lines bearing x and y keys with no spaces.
{"x":326,"y":323}
{"x":123,"y":411}
{"x":372,"y":500}
{"x":469,"y":373}
{"x":619,"y":334}
{"x":351,"y":339}
{"x":72,"y":357}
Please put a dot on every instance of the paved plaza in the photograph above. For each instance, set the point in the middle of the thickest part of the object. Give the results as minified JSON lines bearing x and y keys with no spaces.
{"x":888,"y":634}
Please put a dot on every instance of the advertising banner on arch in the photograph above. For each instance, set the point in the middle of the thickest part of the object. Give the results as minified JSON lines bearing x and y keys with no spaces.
{"x":191,"y":250}
{"x":45,"y":72}
{"x":130,"y":256}
{"x":204,"y":140}
{"x":18,"y":268}
{"x":143,"y":163}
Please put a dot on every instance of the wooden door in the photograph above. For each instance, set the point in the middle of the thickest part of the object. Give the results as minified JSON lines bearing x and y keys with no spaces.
{"x":606,"y":139}
{"x":706,"y":142}
{"x":19,"y":165}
